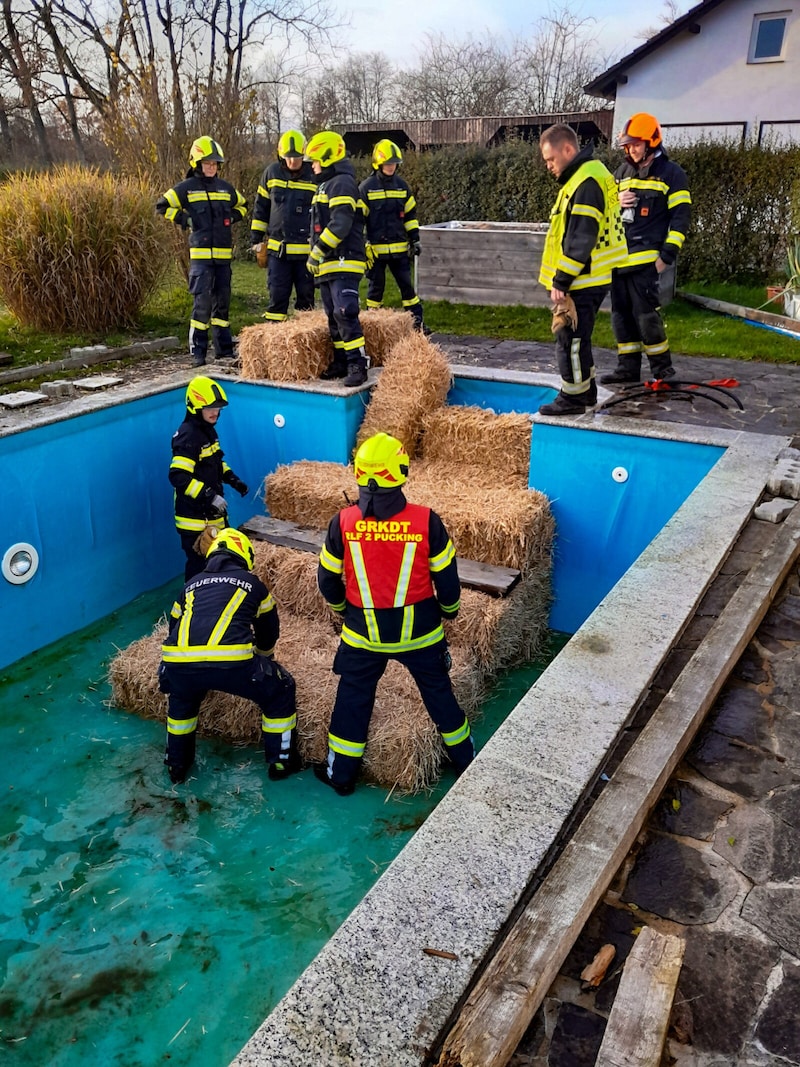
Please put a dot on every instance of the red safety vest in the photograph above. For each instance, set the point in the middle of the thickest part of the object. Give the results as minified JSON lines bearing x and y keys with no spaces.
{"x":386,"y":562}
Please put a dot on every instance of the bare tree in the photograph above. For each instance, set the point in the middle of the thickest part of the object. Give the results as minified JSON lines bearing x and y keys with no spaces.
{"x":361,"y":89}
{"x":21,"y":59}
{"x":672,"y":10}
{"x":455,"y":78}
{"x":556,"y":62}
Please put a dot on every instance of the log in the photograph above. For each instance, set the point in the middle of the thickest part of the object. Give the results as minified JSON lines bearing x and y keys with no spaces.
{"x":637,"y":1026}
{"x":496,"y":581}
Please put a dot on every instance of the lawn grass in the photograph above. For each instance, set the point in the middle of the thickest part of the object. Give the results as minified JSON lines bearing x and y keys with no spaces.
{"x":692,"y":330}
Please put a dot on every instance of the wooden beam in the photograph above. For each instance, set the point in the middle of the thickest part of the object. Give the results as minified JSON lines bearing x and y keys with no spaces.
{"x":637,"y":1026}
{"x":741,"y":312}
{"x":515,"y":981}
{"x":486,"y":578}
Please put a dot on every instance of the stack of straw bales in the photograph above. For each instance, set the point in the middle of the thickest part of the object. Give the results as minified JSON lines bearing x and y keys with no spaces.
{"x":300,"y":348}
{"x":472,"y":469}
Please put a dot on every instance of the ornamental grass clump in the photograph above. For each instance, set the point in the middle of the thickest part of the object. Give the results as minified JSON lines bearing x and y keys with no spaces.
{"x":80,"y":250}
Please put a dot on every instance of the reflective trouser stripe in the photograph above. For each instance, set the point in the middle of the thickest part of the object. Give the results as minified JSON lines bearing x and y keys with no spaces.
{"x":180,"y":727}
{"x":346,"y":748}
{"x":455,"y":737}
{"x":278,"y":726}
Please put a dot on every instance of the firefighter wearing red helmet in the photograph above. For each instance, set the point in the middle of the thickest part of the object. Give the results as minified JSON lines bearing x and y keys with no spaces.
{"x":656,"y":207}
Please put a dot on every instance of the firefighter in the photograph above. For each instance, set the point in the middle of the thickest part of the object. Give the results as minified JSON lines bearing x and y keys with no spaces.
{"x":338,"y":258}
{"x":392,"y":229}
{"x":389,"y":568}
{"x":282,"y":217}
{"x":222,"y":637}
{"x":207,"y":206}
{"x":198,"y":472}
{"x":584,"y":243}
{"x":656,"y":206}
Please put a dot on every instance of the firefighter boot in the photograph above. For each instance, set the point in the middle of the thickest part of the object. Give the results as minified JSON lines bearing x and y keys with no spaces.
{"x":337,"y":369}
{"x":356,"y":369}
{"x":565,"y":405}
{"x":282,"y":768}
{"x":344,"y":789}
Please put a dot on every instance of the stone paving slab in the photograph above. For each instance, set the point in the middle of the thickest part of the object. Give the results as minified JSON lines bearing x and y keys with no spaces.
{"x":22,"y":399}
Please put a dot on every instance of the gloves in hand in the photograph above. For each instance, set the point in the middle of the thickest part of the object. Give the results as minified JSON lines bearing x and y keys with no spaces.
{"x":370,"y":255}
{"x":219,"y":503}
{"x":413,"y":248}
{"x":314,"y":260}
{"x":565,"y":314}
{"x":260,"y":252}
{"x":237,"y":484}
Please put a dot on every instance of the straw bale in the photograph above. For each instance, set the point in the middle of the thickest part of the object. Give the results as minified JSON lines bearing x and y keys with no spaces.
{"x":383,"y":328}
{"x":291,"y":575}
{"x":309,"y":493}
{"x":499,"y":525}
{"x":498,"y":446}
{"x":415,"y":380}
{"x":289,"y":351}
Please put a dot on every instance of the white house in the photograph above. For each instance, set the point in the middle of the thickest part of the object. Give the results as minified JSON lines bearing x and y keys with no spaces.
{"x":727,"y":68}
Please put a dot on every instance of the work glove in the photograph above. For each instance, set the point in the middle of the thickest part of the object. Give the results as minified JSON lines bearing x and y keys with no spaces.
{"x":237,"y":484}
{"x":315,"y":258}
{"x":260,"y":252}
{"x":370,"y":255}
{"x":219,"y":503}
{"x":413,"y":247}
{"x":565,"y":314}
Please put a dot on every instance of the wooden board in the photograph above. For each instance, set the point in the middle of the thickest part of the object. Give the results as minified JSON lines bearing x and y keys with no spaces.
{"x":637,"y":1026}
{"x":515,"y":980}
{"x":496,"y":581}
{"x":741,"y":312}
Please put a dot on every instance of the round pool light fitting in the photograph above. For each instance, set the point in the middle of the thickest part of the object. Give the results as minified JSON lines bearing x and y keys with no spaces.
{"x":20,"y":563}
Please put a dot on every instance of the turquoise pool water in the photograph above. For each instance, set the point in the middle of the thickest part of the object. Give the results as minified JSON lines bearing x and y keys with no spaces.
{"x":141,"y":924}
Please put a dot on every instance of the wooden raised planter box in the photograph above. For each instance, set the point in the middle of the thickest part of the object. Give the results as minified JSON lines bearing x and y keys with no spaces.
{"x":491,"y":263}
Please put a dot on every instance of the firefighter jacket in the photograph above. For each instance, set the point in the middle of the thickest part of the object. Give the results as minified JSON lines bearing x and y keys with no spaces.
{"x":337,"y":226}
{"x":197,"y":472}
{"x":224,"y":615}
{"x":661,"y":216}
{"x":393,"y":579}
{"x":207,"y":207}
{"x":586,"y":239}
{"x":282,"y":211}
{"x":391,"y":213}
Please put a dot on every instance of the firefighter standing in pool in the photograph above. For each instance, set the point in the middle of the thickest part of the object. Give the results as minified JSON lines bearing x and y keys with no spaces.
{"x":198,"y":471}
{"x":389,"y":568}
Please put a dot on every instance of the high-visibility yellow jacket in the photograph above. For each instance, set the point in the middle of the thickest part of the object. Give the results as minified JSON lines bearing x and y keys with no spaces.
{"x":586,"y":238}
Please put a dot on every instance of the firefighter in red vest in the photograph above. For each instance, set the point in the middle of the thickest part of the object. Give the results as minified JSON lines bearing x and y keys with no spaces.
{"x":389,"y":568}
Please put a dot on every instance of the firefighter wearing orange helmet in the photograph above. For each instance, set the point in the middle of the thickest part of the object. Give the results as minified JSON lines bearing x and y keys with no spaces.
{"x":656,"y":206}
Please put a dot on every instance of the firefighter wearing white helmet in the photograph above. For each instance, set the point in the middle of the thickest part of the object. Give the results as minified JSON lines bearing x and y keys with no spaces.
{"x":392,"y":229}
{"x":198,"y":472}
{"x":656,"y":208}
{"x":389,"y":569}
{"x":207,"y":206}
{"x":282,"y":220}
{"x":222,"y":635}
{"x":338,"y":259}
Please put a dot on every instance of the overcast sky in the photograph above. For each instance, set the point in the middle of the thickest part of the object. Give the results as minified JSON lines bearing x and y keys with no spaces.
{"x":393,"y":28}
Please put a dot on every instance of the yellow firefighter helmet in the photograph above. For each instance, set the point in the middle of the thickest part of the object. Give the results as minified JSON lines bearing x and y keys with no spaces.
{"x":236,"y":543}
{"x":381,"y":462}
{"x":205,"y":150}
{"x":385,"y":151}
{"x":292,"y":144}
{"x":326,"y":148}
{"x":204,"y":392}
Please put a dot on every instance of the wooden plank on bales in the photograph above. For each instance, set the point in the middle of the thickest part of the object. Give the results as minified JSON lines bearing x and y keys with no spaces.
{"x":637,"y":1026}
{"x":516,"y":978}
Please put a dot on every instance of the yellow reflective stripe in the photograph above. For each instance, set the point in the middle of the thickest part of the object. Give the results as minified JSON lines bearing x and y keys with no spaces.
{"x":309,"y":187}
{"x":257,"y":226}
{"x":203,"y":654}
{"x":210,"y":253}
{"x":224,"y":620}
{"x":357,"y":342}
{"x":172,"y":199}
{"x":637,"y":259}
{"x":209,"y":450}
{"x":656,"y":350}
{"x":181,"y":727}
{"x":625,"y":347}
{"x":455,"y":737}
{"x":411,"y":303}
{"x":569,"y":266}
{"x":194,"y":195}
{"x":278,"y":726}
{"x":198,"y":325}
{"x":183,"y":626}
{"x":343,"y":747}
{"x":388,"y":194}
{"x":411,"y":202}
{"x":675,"y":237}
{"x":450,"y":609}
{"x":390,"y":249}
{"x":182,"y":463}
{"x":329,"y":238}
{"x":176,"y":611}
{"x":374,"y":303}
{"x":401,"y":591}
{"x":340,"y":606}
{"x":273,"y":183}
{"x":273,"y":245}
{"x":356,"y":640}
{"x":360,"y":571}
{"x":372,"y":625}
{"x":342,"y":266}
{"x":194,"y":488}
{"x":330,"y":562}
{"x":274,"y":316}
{"x":189,"y":525}
{"x":442,"y":559}
{"x":407,"y":628}
{"x":651,"y":185}
{"x":680,"y":196}
{"x":267,"y":604}
{"x":588,"y":211}
{"x":297,"y":250}
{"x":342,"y":201}
{"x":220,"y":322}
{"x":171,"y":214}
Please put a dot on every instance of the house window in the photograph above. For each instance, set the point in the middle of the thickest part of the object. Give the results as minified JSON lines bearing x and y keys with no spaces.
{"x":766,"y":40}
